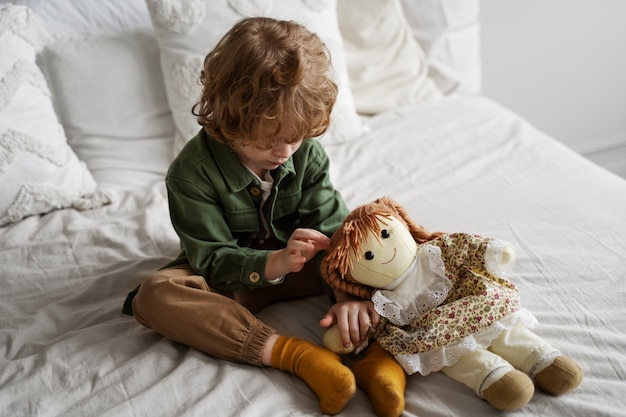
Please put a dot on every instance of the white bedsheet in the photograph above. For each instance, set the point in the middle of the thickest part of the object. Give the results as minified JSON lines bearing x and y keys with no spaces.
{"x":456,"y":164}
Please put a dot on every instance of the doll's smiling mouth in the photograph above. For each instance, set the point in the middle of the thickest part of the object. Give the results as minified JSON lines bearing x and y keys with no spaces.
{"x":394,"y":255}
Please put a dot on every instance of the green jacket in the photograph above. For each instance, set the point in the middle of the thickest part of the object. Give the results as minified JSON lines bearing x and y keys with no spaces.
{"x":214,"y":202}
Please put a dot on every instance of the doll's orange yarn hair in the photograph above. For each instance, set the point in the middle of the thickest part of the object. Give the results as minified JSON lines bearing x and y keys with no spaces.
{"x":337,"y":264}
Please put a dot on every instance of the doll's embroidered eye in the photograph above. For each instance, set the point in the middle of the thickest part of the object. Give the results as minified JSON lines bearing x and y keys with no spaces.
{"x":369,"y":255}
{"x":384,"y":233}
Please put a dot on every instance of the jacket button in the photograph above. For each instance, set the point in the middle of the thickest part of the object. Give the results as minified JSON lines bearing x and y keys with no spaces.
{"x":254,"y":277}
{"x":255,"y":191}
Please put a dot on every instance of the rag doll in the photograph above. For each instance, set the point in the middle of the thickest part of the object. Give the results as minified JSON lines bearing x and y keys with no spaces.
{"x":444,"y":306}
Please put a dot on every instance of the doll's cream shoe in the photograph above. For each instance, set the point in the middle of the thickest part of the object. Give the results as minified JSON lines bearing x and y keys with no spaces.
{"x":562,"y":376}
{"x":510,"y":392}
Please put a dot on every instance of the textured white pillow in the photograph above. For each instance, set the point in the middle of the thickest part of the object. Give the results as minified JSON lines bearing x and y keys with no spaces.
{"x":449,"y":33}
{"x":108,"y":91}
{"x":76,"y":18}
{"x":386,"y":65}
{"x":105,"y":75}
{"x":188,"y":29}
{"x":38,"y":170}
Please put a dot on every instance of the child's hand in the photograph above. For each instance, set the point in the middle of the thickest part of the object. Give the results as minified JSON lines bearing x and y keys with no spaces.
{"x":302,"y":246}
{"x":354,"y":318}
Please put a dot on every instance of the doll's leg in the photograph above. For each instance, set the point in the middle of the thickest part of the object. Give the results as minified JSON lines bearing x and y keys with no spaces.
{"x":492,"y":378}
{"x":383,"y":380}
{"x":551,"y":371}
{"x":180,"y":305}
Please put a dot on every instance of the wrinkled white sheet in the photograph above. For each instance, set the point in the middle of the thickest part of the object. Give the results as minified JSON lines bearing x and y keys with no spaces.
{"x":456,"y":164}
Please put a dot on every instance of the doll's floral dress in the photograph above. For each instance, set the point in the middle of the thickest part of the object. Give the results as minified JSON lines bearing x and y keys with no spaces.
{"x":451,"y":300}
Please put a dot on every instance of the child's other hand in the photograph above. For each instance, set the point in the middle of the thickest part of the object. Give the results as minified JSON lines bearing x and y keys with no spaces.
{"x":354,"y":318}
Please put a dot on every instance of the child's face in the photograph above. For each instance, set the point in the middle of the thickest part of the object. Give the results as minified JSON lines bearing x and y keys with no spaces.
{"x":262,"y":159}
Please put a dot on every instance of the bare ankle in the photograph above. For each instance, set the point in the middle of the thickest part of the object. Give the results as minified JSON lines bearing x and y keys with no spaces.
{"x":266,"y":355}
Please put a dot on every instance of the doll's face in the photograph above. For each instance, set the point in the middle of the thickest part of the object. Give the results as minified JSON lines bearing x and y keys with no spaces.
{"x":385,"y":255}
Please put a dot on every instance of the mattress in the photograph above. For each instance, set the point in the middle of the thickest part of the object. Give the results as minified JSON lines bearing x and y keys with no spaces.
{"x":457,"y":164}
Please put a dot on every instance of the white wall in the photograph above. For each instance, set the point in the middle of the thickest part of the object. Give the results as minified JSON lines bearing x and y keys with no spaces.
{"x":561,"y":64}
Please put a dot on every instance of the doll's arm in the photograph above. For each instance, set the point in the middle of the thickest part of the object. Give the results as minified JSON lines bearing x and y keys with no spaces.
{"x":462,"y":250}
{"x":508,"y":258}
{"x":499,"y":257}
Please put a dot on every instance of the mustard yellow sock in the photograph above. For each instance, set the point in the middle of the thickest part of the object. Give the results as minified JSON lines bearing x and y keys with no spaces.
{"x":320,"y":368}
{"x":383,"y":379}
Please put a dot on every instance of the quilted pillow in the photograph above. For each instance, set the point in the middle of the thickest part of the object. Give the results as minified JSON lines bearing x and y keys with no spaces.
{"x":188,"y":29}
{"x":39,"y":172}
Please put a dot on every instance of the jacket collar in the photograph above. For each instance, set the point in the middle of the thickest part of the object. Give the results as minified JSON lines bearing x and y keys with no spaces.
{"x":237,"y":176}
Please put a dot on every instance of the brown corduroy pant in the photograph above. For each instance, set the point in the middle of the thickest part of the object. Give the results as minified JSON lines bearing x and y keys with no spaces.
{"x":180,"y":305}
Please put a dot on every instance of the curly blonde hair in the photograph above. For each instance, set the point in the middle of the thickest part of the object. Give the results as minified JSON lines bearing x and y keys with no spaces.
{"x":266,"y":70}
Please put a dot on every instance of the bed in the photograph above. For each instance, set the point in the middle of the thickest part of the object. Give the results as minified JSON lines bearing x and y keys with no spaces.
{"x":94,"y":104}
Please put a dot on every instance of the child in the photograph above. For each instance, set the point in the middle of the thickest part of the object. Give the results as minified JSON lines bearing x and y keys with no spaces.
{"x":251,"y":200}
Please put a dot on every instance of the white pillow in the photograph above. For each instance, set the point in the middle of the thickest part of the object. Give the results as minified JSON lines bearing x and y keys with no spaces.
{"x":449,"y":33}
{"x":38,"y":170}
{"x":109,"y":93}
{"x":188,"y":29}
{"x":76,"y":18}
{"x":386,"y":65}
